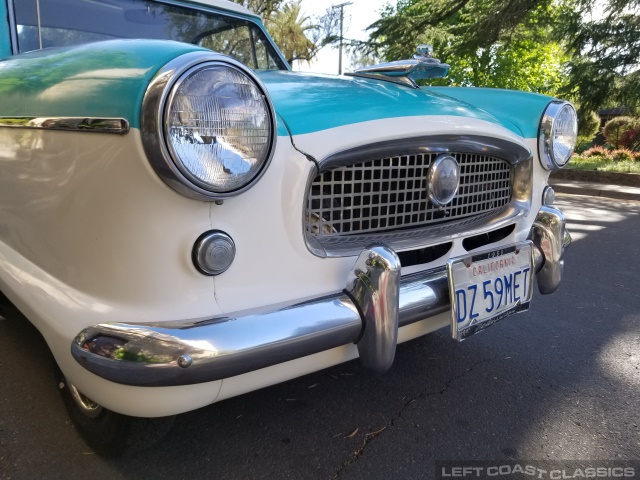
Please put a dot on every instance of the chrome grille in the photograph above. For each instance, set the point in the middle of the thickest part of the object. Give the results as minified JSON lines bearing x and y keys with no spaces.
{"x":390,"y":194}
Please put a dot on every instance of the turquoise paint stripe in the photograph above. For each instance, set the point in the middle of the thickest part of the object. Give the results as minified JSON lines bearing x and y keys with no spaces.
{"x":5,"y":38}
{"x":281,"y":127}
{"x":104,"y":79}
{"x":522,"y":110}
{"x":312,"y":102}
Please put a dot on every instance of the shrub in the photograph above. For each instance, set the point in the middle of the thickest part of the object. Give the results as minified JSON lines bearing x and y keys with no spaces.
{"x":588,"y":126}
{"x":622,"y":132}
{"x":636,"y":156}
{"x":596,"y":152}
{"x":622,"y":155}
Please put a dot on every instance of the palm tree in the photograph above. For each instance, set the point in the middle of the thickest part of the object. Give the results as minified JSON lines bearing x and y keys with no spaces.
{"x":289,"y":27}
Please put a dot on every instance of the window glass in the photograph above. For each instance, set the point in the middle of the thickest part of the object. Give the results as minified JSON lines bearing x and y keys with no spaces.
{"x":72,"y":22}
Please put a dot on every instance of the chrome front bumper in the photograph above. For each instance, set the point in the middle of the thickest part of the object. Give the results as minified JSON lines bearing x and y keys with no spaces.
{"x":374,"y":304}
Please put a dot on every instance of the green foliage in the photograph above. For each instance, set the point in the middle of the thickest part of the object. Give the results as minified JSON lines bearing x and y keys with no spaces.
{"x":622,"y":155}
{"x":504,"y":44}
{"x":588,"y":125}
{"x":604,"y":52}
{"x":622,"y":132}
{"x":603,"y":165}
{"x":264,"y":8}
{"x":597,"y":152}
{"x":553,"y":47}
{"x":298,"y":36}
{"x":624,"y":162}
{"x":289,"y":29}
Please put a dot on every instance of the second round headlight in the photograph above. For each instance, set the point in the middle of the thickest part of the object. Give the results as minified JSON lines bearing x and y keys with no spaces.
{"x":558,"y":135}
{"x":218,"y":128}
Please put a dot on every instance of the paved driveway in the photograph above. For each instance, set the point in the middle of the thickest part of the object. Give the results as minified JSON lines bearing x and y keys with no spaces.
{"x":561,"y":382}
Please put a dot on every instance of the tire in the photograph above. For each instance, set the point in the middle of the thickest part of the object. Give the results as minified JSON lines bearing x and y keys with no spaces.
{"x":8,"y":310}
{"x":108,"y":433}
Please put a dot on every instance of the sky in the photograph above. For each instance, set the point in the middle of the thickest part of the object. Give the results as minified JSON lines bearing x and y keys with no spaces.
{"x":357,"y":17}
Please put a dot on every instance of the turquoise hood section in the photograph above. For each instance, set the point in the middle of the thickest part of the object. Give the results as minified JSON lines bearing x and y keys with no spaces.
{"x":109,"y":79}
{"x":313,"y":102}
{"x":104,"y":79}
{"x":521,"y":110}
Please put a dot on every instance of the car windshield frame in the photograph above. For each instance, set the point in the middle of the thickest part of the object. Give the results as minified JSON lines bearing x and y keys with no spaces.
{"x":37,"y":24}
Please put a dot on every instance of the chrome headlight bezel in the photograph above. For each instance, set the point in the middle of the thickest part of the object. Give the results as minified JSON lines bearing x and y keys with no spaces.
{"x":153,"y":123}
{"x":546,"y":135}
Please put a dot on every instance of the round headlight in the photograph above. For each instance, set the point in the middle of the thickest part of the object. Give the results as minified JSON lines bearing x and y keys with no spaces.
{"x":558,"y":135}
{"x":208,"y":126}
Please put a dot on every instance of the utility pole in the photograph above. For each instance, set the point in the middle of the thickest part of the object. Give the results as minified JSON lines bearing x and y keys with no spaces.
{"x":341,"y":7}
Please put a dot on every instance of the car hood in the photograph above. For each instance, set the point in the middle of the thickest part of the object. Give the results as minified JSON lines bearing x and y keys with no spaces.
{"x":312,"y":102}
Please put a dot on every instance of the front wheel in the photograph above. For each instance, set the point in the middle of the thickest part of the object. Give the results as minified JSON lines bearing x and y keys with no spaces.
{"x":108,"y":433}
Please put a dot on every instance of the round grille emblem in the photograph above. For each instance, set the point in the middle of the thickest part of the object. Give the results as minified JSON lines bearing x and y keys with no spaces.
{"x":443,"y":180}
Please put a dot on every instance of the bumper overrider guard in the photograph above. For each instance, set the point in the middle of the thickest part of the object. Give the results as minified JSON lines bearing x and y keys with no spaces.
{"x":375,"y":303}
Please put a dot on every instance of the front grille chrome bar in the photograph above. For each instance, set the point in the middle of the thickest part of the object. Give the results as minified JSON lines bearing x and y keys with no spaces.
{"x":355,"y":200}
{"x":391,"y":194}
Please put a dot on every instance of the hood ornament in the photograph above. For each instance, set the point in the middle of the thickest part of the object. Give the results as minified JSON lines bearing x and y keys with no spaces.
{"x":406,"y":72}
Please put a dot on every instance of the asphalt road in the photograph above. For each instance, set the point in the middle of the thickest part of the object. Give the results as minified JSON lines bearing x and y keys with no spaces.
{"x":559,"y":382}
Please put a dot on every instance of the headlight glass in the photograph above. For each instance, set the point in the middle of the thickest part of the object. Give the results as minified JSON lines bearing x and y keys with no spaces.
{"x":218,"y":127}
{"x":558,"y":135}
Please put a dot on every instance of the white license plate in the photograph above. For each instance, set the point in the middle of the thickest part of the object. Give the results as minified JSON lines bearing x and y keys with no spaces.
{"x":488,"y":286}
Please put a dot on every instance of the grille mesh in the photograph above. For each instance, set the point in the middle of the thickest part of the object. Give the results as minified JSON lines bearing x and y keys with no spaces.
{"x":390,"y":194}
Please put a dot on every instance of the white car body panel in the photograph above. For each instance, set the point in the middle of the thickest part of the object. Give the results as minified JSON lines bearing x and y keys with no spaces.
{"x":61,"y":297}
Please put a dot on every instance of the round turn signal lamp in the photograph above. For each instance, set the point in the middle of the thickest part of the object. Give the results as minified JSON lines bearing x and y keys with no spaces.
{"x":213,"y":252}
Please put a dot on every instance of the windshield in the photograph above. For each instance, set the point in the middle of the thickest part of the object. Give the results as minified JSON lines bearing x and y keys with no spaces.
{"x":72,"y":22}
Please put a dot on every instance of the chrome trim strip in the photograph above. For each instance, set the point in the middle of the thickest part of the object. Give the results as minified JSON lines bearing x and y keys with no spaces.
{"x":374,"y":286}
{"x":39,"y":24}
{"x":424,"y":237}
{"x":75,"y":124}
{"x":11,"y":12}
{"x":421,"y":66}
{"x":493,"y":147}
{"x":152,"y":123}
{"x":158,"y":354}
{"x":404,"y":81}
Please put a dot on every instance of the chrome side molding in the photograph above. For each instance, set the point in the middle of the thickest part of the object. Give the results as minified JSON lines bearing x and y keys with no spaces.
{"x":75,"y":124}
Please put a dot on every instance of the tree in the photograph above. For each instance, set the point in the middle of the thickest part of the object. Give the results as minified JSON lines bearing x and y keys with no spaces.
{"x":264,"y":8}
{"x":503,"y":44}
{"x":588,"y":125}
{"x":298,"y":36}
{"x":623,"y":132}
{"x":289,"y":29}
{"x":605,"y":53}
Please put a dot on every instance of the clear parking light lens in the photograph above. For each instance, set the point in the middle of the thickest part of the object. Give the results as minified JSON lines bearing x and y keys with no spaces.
{"x":214,"y":252}
{"x":558,"y":135}
{"x":219,"y":128}
{"x":548,"y":196}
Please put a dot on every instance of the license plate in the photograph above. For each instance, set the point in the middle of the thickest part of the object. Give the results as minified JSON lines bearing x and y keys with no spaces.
{"x":489,"y":286}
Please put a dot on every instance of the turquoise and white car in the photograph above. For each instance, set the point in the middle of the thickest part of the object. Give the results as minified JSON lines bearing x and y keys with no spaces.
{"x":185,"y":219}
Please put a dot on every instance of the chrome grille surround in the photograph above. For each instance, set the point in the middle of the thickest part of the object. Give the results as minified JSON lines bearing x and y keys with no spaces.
{"x":378,"y":193}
